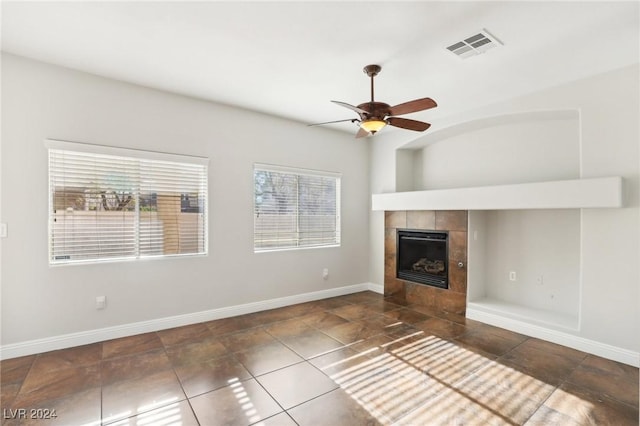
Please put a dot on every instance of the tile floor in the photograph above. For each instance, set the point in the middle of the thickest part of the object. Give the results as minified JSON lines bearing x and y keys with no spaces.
{"x":350,"y":360}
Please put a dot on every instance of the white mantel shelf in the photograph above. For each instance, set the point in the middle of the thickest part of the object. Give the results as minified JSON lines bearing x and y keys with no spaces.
{"x":603,"y":192}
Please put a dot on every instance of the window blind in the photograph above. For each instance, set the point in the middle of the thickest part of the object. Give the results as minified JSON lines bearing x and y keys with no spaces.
{"x":295,"y":208}
{"x":110,"y":203}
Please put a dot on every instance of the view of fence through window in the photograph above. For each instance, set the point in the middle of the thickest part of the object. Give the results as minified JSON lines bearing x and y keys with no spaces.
{"x":105,"y":206}
{"x":295,"y":208}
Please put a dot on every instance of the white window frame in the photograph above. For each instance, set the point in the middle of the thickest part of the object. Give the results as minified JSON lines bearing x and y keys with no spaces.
{"x":299,"y":172}
{"x":132,"y":154}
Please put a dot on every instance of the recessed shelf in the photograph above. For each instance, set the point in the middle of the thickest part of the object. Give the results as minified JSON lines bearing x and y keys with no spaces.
{"x":603,"y":192}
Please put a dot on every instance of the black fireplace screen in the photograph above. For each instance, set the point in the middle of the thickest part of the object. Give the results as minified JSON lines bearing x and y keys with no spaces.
{"x":422,"y":257}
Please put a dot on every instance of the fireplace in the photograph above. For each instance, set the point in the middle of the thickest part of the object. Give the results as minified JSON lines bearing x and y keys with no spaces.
{"x":422,"y":257}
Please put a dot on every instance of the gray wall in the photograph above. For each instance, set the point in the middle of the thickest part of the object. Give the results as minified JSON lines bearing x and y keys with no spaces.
{"x":41,"y":101}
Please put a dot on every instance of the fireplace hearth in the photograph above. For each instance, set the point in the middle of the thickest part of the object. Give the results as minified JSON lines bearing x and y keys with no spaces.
{"x":422,"y":257}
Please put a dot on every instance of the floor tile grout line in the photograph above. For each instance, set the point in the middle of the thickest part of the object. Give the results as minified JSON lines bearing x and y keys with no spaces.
{"x":274,"y":415}
{"x":311,"y":399}
{"x":314,"y":356}
{"x":555,"y":387}
{"x":277,"y":369}
{"x":603,"y":394}
{"x":187,"y":399}
{"x":155,"y":333}
{"x":255,"y":378}
{"x":193,"y":411}
{"x":584,"y":359}
{"x":101,"y":393}
{"x":24,"y":379}
{"x":172,"y":369}
{"x":542,"y":403}
{"x":230,"y":354}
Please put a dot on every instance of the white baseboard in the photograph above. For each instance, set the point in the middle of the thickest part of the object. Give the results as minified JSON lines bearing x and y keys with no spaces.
{"x":576,"y":342}
{"x":91,"y":336}
{"x":378,"y":288}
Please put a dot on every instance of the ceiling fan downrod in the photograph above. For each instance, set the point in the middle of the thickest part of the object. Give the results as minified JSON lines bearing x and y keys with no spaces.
{"x":372,"y":71}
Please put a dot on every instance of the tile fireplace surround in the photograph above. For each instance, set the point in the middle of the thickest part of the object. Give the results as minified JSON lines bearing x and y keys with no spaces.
{"x":454,"y":298}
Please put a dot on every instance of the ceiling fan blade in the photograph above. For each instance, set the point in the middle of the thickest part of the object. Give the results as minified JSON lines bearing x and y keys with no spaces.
{"x":353,"y":120}
{"x":405,"y":123}
{"x":361,"y":133}
{"x":413,"y":106}
{"x":351,"y":107}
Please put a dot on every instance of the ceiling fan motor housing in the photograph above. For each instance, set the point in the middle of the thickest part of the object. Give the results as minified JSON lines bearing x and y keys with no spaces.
{"x":377,"y":110}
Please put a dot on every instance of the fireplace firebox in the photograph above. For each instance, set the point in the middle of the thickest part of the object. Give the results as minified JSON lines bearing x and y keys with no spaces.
{"x":422,"y":257}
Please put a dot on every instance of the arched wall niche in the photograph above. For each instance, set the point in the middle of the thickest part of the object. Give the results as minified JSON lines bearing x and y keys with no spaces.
{"x":531,"y":146}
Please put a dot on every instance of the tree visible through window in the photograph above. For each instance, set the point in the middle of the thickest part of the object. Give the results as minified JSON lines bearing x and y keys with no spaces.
{"x":295,"y":208}
{"x":108,"y":203}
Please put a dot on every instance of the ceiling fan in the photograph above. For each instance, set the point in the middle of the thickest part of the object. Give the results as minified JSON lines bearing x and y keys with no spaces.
{"x":376,"y":115}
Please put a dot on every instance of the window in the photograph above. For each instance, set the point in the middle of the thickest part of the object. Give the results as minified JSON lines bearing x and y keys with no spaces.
{"x":295,"y":208}
{"x":111,"y":203}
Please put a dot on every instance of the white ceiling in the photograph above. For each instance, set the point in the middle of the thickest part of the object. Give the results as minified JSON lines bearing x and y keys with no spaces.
{"x":291,"y":58}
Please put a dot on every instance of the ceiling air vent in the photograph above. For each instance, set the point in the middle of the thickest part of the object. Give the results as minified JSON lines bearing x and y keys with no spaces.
{"x":474,"y":45}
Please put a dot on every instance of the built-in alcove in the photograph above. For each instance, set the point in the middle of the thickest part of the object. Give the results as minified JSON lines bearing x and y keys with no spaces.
{"x":518,"y":176}
{"x":525,"y":265}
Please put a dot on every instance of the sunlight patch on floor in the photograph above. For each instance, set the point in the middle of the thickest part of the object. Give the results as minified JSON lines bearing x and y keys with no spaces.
{"x":429,"y":380}
{"x":243,"y":399}
{"x":160,"y":413}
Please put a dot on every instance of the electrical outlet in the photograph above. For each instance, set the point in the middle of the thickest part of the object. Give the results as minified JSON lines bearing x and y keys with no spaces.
{"x":3,"y":230}
{"x":325,"y":273}
{"x":512,"y":276}
{"x":101,"y":302}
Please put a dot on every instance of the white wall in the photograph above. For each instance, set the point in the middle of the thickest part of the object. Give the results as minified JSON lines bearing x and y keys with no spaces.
{"x":543,"y":248}
{"x":41,"y":101}
{"x":608,"y":135}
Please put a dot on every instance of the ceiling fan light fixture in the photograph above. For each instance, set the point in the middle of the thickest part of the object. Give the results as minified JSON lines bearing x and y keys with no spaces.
{"x":374,"y":116}
{"x":373,"y":125}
